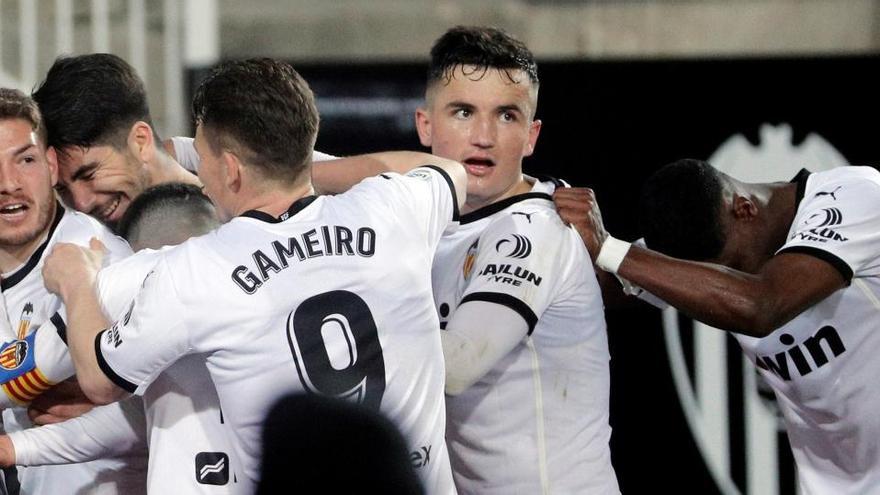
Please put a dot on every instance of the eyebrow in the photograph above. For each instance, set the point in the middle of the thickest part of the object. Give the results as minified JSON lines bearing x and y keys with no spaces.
{"x":23,"y":149}
{"x":515,"y":108}
{"x":83,"y":170}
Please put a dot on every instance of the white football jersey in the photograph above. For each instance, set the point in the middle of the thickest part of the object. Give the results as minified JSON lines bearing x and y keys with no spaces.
{"x":190,"y":451}
{"x":27,"y":305}
{"x":537,"y":422}
{"x":333,"y":297}
{"x":823,"y":364}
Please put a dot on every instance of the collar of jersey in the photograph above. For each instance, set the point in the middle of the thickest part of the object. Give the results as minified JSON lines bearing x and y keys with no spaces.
{"x":801,"y":180}
{"x":504,"y":203}
{"x":295,"y":208}
{"x":18,"y":276}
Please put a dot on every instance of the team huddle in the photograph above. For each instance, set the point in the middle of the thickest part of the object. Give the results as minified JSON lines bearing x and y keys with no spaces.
{"x":163,"y":298}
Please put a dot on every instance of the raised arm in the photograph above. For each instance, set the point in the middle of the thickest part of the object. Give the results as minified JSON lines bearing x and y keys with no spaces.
{"x":751,"y":304}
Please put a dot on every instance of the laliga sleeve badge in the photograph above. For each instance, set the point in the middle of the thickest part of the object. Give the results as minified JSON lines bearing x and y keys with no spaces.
{"x":212,"y":468}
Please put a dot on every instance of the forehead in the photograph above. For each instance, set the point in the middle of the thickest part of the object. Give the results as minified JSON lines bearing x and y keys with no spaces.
{"x":484,"y":86}
{"x":72,"y":158}
{"x":16,"y":132}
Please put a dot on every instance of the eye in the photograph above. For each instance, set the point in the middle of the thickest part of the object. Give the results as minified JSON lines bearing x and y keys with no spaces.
{"x":508,"y":116}
{"x":29,"y":159}
{"x":463,"y":113}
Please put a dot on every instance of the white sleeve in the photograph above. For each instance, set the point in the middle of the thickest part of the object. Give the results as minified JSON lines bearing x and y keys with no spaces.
{"x":119,"y":283}
{"x":478,"y":336}
{"x":42,"y":361}
{"x":185,"y":153}
{"x":105,"y":431}
{"x":149,"y":337}
{"x":842,"y":229}
{"x":317,"y":156}
{"x":516,"y":264}
{"x":424,"y":196}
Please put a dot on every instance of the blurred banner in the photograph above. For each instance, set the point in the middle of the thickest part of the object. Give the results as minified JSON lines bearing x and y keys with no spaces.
{"x":688,"y":412}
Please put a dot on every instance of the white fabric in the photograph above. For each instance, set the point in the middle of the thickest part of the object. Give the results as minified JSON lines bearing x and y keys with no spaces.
{"x":611,"y":254}
{"x":823,"y":364}
{"x":189,"y":159}
{"x":356,"y":264}
{"x":122,"y":475}
{"x":105,"y":431}
{"x":537,"y":422}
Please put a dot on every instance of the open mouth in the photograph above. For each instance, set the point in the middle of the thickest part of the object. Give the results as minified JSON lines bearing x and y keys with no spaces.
{"x":107,"y":211}
{"x":478,"y":166}
{"x":13,"y":209}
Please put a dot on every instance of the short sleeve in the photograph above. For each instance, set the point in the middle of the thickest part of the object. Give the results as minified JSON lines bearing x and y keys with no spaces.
{"x":119,"y":283}
{"x":427,"y":193}
{"x":148,"y":337}
{"x":842,"y":229}
{"x":514,"y":262}
{"x":31,"y":366}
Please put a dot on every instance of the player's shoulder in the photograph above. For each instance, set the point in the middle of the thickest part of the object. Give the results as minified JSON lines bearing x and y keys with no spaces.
{"x":78,"y":228}
{"x":851,"y":185}
{"x":532,"y":211}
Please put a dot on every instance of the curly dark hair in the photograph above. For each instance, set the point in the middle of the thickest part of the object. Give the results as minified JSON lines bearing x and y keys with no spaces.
{"x":681,"y":210}
{"x":483,"y":48}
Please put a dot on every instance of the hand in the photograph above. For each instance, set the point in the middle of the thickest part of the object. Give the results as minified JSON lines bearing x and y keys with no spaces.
{"x":71,"y":268}
{"x":7,"y":452}
{"x":577,"y":207}
{"x":60,"y":403}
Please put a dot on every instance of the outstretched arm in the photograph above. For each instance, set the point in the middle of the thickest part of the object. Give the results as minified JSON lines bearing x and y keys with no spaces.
{"x":751,"y":304}
{"x":339,"y":175}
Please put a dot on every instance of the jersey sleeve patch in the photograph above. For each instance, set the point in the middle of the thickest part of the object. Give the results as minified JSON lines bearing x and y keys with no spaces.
{"x":105,"y":367}
{"x":455,"y":213}
{"x":508,"y":301}
{"x":21,"y":380}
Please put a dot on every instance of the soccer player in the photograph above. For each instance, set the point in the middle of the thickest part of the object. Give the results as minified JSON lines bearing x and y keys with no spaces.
{"x":525,"y":339}
{"x":188,"y":448}
{"x":31,"y":222}
{"x":97,"y":117}
{"x":793,"y":270}
{"x":329,"y":295}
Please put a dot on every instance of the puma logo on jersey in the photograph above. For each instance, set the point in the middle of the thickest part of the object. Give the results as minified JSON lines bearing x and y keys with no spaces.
{"x":509,"y":274}
{"x":829,"y":193}
{"x":527,"y":215}
{"x":420,"y":458}
{"x":780,"y":363}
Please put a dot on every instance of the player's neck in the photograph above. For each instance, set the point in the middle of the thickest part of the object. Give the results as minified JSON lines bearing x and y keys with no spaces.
{"x":781,"y":208}
{"x":166,"y":169}
{"x":273,"y":200}
{"x":474,"y":203}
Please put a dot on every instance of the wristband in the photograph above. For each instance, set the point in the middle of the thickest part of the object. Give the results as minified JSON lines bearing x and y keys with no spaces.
{"x":612,"y":253}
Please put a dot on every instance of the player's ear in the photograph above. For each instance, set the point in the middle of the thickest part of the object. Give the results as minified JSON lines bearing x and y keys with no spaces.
{"x":744,"y":208}
{"x":141,"y":141}
{"x":423,"y":125}
{"x":233,"y":168}
{"x":534,"y":130}
{"x":52,"y":163}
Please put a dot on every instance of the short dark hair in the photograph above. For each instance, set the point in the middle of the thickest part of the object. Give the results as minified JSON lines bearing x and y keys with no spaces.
{"x":337,"y":433}
{"x":483,"y":47}
{"x":681,"y":210}
{"x":264,"y":111}
{"x":16,"y":105}
{"x":91,"y":100}
{"x":186,"y":204}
